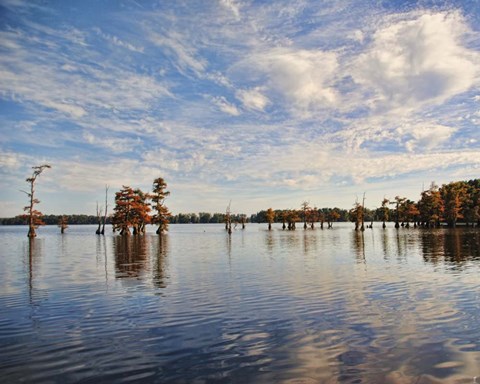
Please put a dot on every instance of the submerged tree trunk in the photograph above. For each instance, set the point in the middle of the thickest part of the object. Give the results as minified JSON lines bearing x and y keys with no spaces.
{"x":31,"y":231}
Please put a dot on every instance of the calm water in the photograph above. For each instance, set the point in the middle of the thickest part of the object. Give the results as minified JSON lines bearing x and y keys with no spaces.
{"x":196,"y":306}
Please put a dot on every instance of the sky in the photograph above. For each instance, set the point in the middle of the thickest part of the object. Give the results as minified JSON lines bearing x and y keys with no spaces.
{"x":261,"y":103}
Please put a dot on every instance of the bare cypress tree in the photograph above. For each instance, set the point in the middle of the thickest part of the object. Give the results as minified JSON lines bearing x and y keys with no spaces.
{"x":228,"y":219}
{"x":106,"y":207}
{"x":34,"y":216}
{"x":99,"y":219}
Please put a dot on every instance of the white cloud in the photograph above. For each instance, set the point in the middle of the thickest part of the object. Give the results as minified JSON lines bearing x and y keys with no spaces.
{"x":75,"y":85}
{"x":185,"y":55}
{"x":302,"y":78}
{"x":427,"y":137}
{"x":417,"y":60}
{"x":118,"y":42}
{"x":229,"y":108}
{"x":10,"y":161}
{"x":232,"y":6}
{"x":252,"y":99}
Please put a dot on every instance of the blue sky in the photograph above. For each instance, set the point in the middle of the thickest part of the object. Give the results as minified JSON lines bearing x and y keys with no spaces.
{"x":267,"y":104}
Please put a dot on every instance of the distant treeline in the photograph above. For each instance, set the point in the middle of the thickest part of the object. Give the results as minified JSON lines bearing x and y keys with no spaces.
{"x":54,"y":219}
{"x":449,"y":204}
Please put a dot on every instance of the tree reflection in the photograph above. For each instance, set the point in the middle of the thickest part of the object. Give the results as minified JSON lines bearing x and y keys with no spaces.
{"x":130,"y":256}
{"x":33,"y":252}
{"x":454,"y":246}
{"x":160,"y":252}
{"x":359,"y":246}
{"x":142,"y":257}
{"x":385,"y":244}
{"x":269,"y":241}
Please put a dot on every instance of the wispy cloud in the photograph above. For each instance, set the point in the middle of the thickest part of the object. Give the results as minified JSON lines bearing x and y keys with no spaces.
{"x":240,"y":98}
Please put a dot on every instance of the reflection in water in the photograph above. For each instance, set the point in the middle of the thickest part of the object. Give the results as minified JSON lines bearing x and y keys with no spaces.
{"x":308,"y":313}
{"x":385,"y":244}
{"x":359,"y":245}
{"x":453,"y":246}
{"x":159,"y":252}
{"x":102,"y":258}
{"x":140,"y":257}
{"x":34,"y":252}
{"x":310,"y":241}
{"x":269,"y":242}
{"x":130,"y":256}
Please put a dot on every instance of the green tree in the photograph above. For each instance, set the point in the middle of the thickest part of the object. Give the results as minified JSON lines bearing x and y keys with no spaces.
{"x":162,"y":214}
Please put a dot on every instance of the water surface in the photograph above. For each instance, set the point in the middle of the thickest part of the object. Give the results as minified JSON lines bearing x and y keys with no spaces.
{"x":199,"y":306}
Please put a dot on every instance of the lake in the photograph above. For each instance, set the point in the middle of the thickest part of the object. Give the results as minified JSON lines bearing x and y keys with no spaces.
{"x":259,"y":306}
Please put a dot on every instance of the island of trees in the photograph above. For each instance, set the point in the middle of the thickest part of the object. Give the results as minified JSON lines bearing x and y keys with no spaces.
{"x":449,"y":204}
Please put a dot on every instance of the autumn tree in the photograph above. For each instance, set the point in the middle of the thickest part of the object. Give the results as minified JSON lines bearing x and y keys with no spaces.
{"x":63,"y":224}
{"x":312,"y":216}
{"x":270,"y":217}
{"x":34,"y":217}
{"x":399,"y":209}
{"x":332,"y":217}
{"x":384,"y":212}
{"x":410,"y":213}
{"x":292,"y":218}
{"x":162,"y":214}
{"x":140,"y":213}
{"x":284,"y":216}
{"x":431,"y":206}
{"x":322,"y":217}
{"x":453,"y":196}
{"x":356,"y":215}
{"x":471,"y":206}
{"x":122,"y":216}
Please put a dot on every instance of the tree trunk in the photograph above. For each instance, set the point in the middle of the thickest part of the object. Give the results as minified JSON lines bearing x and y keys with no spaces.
{"x":31,"y":231}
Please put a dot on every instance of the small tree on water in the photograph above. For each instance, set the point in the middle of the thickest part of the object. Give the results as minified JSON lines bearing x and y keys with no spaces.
{"x":270,"y":216}
{"x":158,"y":196}
{"x":34,"y":217}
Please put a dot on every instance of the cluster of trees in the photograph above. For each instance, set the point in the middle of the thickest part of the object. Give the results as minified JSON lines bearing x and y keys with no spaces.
{"x":306,"y":214}
{"x":449,"y":204}
{"x":133,"y":209}
{"x":204,"y":218}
